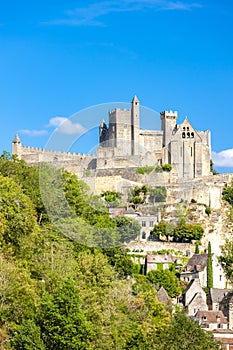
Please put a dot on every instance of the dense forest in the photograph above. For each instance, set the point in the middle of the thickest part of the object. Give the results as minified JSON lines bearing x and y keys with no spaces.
{"x":66,"y":280}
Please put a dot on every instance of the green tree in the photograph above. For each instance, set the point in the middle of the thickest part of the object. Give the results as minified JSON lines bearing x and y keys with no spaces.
{"x":157,"y":194}
{"x":209,"y":268}
{"x":128,"y":229}
{"x":226,"y":258}
{"x":185,"y":334}
{"x":63,"y":324}
{"x":17,"y":213}
{"x":167,"y":279}
{"x":163,"y":229}
{"x":26,"y":336}
{"x":228,"y":193}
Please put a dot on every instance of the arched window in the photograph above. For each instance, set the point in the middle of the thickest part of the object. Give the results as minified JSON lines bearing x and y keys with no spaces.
{"x":192,"y":135}
{"x":188,"y":128}
{"x":183,"y":135}
{"x":188,"y":135}
{"x":184,"y":128}
{"x":143,"y":235}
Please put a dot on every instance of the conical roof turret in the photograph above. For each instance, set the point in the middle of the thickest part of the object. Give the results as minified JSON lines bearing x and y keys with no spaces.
{"x":16,"y":139}
{"x":135,"y":99}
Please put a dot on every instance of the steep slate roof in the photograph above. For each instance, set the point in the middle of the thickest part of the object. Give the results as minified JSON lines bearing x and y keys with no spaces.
{"x":211,"y":316}
{"x":216,"y":295}
{"x":197,"y":262}
{"x":228,"y":298}
{"x":162,"y":296}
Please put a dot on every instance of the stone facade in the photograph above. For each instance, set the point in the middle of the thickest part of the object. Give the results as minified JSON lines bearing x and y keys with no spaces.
{"x":124,"y":144}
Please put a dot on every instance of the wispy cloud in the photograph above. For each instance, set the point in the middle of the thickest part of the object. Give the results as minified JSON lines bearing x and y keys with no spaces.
{"x":223,"y":158}
{"x":66,"y":126}
{"x":33,"y":133}
{"x":62,"y":125}
{"x":90,"y":15}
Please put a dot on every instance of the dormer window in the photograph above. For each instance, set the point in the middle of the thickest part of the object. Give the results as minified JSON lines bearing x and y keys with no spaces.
{"x":204,"y":318}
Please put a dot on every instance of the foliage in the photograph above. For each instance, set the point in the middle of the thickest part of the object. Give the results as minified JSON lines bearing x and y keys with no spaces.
{"x":208,"y":211}
{"x":226,"y":258}
{"x":63,"y":323}
{"x":167,"y":279}
{"x":228,"y":193}
{"x":26,"y":336}
{"x":180,"y":232}
{"x":209,"y":268}
{"x":185,"y":334}
{"x":157,"y":194}
{"x":145,"y":170}
{"x":197,"y":251}
{"x":163,"y":229}
{"x":128,"y":229}
{"x":120,"y":260}
{"x":56,"y":290}
{"x":212,"y":170}
{"x":188,"y":232}
{"x":167,"y":167}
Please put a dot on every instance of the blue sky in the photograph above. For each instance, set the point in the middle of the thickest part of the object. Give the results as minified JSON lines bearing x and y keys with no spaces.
{"x":60,"y":57}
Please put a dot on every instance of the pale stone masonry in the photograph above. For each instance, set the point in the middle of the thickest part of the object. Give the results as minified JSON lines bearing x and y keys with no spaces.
{"x":124,"y":144}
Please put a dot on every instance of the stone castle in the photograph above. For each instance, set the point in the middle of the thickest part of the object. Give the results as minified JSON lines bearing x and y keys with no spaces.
{"x":124,"y":147}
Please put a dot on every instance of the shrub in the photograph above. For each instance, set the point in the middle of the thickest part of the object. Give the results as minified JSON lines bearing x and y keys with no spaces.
{"x":167,"y":167}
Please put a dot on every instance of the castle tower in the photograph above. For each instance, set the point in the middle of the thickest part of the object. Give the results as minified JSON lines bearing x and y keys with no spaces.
{"x":135,"y":125}
{"x":168,"y":124}
{"x":17,"y":146}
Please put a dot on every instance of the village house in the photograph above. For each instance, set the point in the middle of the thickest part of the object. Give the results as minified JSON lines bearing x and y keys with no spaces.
{"x":194,"y":297}
{"x":158,"y":262}
{"x":211,"y":320}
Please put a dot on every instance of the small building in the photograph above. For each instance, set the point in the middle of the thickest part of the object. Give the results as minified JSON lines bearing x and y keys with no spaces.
{"x":194,"y":297}
{"x":196,"y":268}
{"x":225,"y":336}
{"x":147,"y":223}
{"x":158,"y":262}
{"x":215,"y":297}
{"x":211,"y":320}
{"x":226,"y":305}
{"x":163,"y":297}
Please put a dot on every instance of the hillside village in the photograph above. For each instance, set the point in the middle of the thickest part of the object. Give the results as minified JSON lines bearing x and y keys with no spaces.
{"x":162,"y":179}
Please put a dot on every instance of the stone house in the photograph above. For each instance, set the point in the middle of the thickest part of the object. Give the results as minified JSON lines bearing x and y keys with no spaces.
{"x":194,"y":297}
{"x":146,"y":222}
{"x":226,"y":305}
{"x":215,"y":298}
{"x":158,"y":262}
{"x":211,"y":320}
{"x":225,"y":336}
{"x":196,"y":268}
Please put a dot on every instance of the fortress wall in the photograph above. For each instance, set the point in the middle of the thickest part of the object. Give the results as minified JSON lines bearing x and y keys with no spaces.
{"x":206,"y":190}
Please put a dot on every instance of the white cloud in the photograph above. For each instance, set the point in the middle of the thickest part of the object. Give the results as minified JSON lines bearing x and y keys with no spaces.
{"x":65,"y":126}
{"x":223,"y":158}
{"x":33,"y":132}
{"x":89,"y":15}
